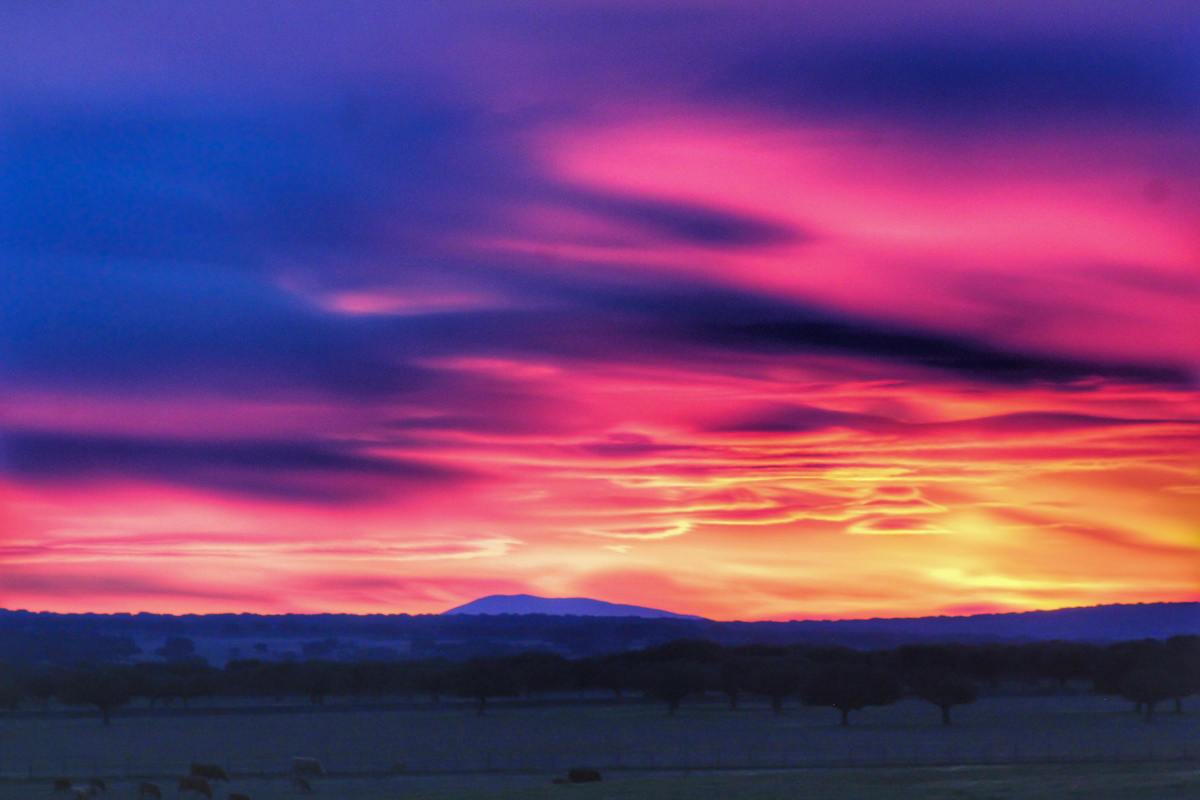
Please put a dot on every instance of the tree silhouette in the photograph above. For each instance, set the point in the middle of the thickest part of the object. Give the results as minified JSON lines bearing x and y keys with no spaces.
{"x":672,"y":681}
{"x":10,"y":689}
{"x":852,"y":687}
{"x":944,"y":688}
{"x":1184,"y":656}
{"x":102,"y":686}
{"x":733,"y":679}
{"x":483,"y":679}
{"x":777,"y":679}
{"x":1149,"y":687}
{"x":176,"y":648}
{"x":317,"y":680}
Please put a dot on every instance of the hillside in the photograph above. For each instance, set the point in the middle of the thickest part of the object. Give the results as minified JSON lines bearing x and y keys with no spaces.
{"x":560,"y":606}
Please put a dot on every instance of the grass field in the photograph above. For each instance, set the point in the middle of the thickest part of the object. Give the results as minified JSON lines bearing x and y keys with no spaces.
{"x":1168,"y":781}
{"x":1077,"y":743}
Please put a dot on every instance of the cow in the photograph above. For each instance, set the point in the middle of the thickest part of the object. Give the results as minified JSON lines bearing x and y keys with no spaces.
{"x":146,"y":789}
{"x":302,"y":765}
{"x":194,"y":783}
{"x":210,"y":771}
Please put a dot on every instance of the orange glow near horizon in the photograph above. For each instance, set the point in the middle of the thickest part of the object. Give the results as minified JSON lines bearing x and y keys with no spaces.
{"x":966,"y":509}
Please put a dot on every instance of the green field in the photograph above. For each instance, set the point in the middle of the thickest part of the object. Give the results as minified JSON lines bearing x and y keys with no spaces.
{"x":1056,"y":746}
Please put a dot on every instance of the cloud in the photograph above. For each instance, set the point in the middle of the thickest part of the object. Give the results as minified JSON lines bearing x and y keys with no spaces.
{"x":799,"y":332}
{"x":629,"y":445}
{"x":604,"y":275}
{"x":446,"y":592}
{"x":153,"y":328}
{"x":648,"y":532}
{"x":894,"y":526}
{"x":793,"y":418}
{"x":298,"y":471}
{"x":692,"y":223}
{"x":939,"y":80}
{"x":657,"y":317}
{"x":894,"y":501}
{"x":74,"y":584}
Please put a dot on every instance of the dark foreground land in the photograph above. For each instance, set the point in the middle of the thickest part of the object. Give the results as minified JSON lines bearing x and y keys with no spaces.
{"x":1060,"y":746}
{"x":1171,"y":781}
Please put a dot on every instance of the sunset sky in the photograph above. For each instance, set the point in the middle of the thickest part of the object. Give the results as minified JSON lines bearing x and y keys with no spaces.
{"x":753,"y":310}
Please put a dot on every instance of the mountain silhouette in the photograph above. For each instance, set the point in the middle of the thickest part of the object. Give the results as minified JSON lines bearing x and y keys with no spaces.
{"x":559,"y":606}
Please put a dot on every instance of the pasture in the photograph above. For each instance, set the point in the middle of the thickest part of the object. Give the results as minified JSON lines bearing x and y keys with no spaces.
{"x":1091,"y":743}
{"x":1164,"y":781}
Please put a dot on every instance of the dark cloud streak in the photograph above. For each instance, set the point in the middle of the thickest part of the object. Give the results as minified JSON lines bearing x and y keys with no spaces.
{"x":792,"y":418}
{"x":304,"y":471}
{"x":943,"y":81}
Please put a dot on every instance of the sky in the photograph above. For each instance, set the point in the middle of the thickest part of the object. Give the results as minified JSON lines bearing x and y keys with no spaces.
{"x":752,"y":310}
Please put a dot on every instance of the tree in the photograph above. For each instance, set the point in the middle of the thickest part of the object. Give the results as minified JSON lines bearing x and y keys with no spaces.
{"x":777,"y":679}
{"x":610,"y":673}
{"x":944,"y":688}
{"x":483,"y":679}
{"x":43,"y":685}
{"x":433,"y":677}
{"x":1185,"y":663}
{"x":672,"y":681}
{"x":1062,"y":662}
{"x":733,"y":679}
{"x":1149,"y":687}
{"x":105,"y":687}
{"x":537,"y":673}
{"x":176,"y":648}
{"x":11,"y":692}
{"x":317,"y":680}
{"x":852,"y":687}
{"x":990,"y":663}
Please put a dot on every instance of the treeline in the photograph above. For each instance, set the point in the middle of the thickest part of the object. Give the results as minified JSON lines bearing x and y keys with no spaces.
{"x":68,"y":638}
{"x":1146,"y":672}
{"x":463,"y":635}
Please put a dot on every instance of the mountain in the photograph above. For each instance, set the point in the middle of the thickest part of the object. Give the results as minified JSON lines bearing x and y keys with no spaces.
{"x":559,"y":606}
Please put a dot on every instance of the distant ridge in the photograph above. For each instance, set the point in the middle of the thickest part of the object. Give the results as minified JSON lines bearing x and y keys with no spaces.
{"x":560,"y":606}
{"x":1118,"y":621}
{"x":1115,"y":622}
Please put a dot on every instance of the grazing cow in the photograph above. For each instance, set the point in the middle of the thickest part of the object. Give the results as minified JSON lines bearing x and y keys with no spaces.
{"x":306,"y":766}
{"x":62,"y":785}
{"x":238,"y":796}
{"x":97,"y":785}
{"x":193,"y":783}
{"x":146,"y":789}
{"x":582,"y":775}
{"x":210,"y":771}
{"x":301,"y":785}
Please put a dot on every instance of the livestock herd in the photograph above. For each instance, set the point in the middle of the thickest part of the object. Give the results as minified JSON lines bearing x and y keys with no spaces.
{"x":198,"y":781}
